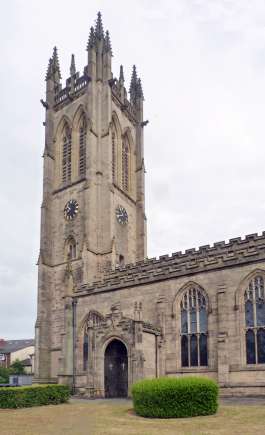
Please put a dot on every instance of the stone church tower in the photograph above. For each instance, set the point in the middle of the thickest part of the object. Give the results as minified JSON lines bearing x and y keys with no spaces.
{"x":107,"y":314}
{"x":93,"y":210}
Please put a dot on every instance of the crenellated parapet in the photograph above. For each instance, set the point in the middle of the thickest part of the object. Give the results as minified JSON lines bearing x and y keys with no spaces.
{"x":119,"y":94}
{"x":70,"y":93}
{"x":237,"y":251}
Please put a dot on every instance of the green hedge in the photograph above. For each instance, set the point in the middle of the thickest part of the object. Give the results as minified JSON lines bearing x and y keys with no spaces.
{"x":4,"y":375}
{"x":35,"y":395}
{"x":175,"y":397}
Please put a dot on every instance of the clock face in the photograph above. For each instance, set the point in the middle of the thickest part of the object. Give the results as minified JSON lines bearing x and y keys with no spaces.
{"x":121,"y":215}
{"x":70,"y":209}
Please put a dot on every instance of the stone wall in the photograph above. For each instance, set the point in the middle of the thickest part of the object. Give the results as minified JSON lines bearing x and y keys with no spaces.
{"x":224,"y":288}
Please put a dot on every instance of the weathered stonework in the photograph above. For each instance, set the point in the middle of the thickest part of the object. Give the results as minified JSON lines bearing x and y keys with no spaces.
{"x":109,"y":290}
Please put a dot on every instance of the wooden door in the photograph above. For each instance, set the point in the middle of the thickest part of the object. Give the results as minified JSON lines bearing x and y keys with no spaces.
{"x":116,"y":370}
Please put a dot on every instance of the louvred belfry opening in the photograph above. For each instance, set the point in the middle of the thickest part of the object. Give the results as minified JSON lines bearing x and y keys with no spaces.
{"x":82,"y":148}
{"x":67,"y":155}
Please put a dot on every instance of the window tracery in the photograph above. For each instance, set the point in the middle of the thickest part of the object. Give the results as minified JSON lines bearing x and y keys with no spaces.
{"x":194,"y":328}
{"x":93,"y":320}
{"x":67,"y":155}
{"x":255,"y":321}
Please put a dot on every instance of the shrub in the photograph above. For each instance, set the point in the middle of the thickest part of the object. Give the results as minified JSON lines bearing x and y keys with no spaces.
{"x":4,"y":375}
{"x":35,"y":395}
{"x":175,"y":397}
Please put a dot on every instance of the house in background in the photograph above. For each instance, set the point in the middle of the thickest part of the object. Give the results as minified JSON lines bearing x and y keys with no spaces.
{"x":23,"y":350}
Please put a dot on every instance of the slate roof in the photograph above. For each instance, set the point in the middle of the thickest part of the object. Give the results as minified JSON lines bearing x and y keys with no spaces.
{"x":10,"y":346}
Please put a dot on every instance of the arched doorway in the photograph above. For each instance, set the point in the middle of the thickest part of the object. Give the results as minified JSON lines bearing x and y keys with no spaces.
{"x":116,"y":370}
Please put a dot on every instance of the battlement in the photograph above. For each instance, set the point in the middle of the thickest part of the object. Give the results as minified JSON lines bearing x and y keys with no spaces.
{"x":72,"y":90}
{"x":236,"y":251}
{"x":120,"y":93}
{"x":78,"y":86}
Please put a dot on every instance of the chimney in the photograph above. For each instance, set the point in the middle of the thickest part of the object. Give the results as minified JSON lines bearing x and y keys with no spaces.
{"x":2,"y":342}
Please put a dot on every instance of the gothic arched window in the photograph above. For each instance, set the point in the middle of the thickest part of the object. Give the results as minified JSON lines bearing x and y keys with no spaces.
{"x":194,"y":348}
{"x":255,"y":321}
{"x":67,"y":155}
{"x":114,"y":156}
{"x":125,"y":164}
{"x":85,"y":350}
{"x":71,"y":248}
{"x":93,"y":321}
{"x":82,"y":148}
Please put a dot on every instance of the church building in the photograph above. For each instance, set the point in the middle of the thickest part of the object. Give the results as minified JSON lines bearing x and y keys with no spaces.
{"x":107,"y":314}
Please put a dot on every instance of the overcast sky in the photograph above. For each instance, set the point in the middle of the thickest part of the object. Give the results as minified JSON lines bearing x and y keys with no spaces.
{"x":202,"y":64}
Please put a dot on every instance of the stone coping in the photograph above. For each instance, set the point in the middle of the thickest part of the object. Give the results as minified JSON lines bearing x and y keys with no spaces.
{"x":238,"y":251}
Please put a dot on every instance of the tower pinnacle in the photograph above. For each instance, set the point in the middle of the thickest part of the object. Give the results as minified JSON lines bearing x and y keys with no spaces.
{"x":49,"y":70}
{"x":53,"y":70}
{"x":99,"y":32}
{"x":133,"y":85}
{"x":107,"y":43}
{"x":72,"y":67}
{"x":91,"y":39}
{"x":121,"y":77}
{"x":140,"y":93}
{"x":55,"y":63}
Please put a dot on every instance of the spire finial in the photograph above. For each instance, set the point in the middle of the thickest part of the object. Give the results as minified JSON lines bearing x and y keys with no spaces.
{"x":107,"y":43}
{"x":133,"y":85}
{"x":121,"y":77}
{"x":139,"y":91}
{"x":72,"y":67}
{"x":55,"y":62}
{"x":49,"y":70}
{"x":99,"y":32}
{"x":91,"y":39}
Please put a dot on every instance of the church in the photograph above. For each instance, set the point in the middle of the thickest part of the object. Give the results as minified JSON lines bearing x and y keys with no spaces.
{"x":107,"y":314}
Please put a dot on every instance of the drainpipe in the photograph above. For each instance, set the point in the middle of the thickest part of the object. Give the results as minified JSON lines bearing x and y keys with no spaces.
{"x":74,"y":302}
{"x":156,"y":356}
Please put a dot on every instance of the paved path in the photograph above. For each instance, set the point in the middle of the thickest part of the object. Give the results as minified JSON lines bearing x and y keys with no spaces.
{"x":242,"y":400}
{"x":79,"y":399}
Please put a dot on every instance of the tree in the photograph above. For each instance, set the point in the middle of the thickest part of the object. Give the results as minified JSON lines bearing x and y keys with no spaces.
{"x":17,"y":368}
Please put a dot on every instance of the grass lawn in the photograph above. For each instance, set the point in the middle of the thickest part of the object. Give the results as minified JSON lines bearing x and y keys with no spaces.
{"x":108,"y":417}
